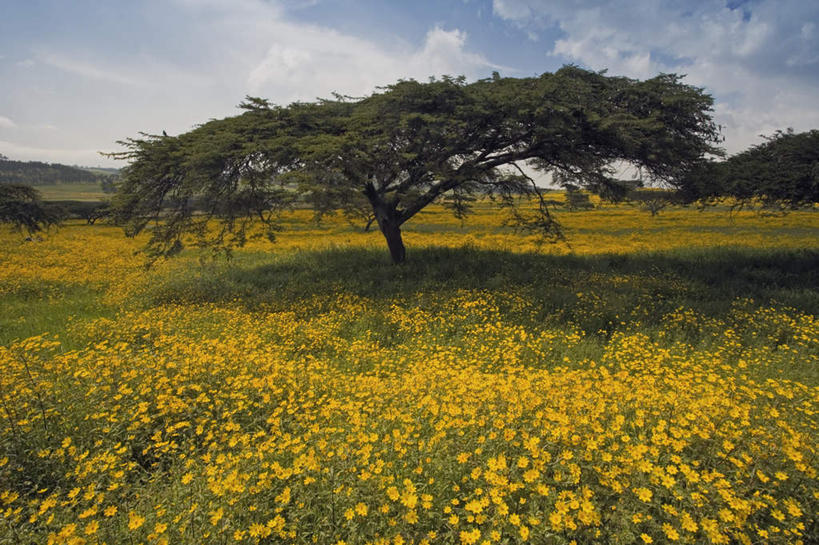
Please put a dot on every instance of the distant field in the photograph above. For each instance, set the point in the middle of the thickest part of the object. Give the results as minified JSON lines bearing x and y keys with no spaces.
{"x":655,"y":380}
{"x":72,"y":192}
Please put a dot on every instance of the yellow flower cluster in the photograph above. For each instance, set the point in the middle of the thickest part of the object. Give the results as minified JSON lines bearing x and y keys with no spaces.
{"x":444,"y":422}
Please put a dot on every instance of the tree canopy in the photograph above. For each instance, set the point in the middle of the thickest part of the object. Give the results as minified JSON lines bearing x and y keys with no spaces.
{"x":783,"y":171}
{"x":21,"y":207}
{"x":410,"y":144}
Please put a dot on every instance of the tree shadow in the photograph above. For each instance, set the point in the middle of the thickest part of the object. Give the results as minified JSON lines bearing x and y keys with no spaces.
{"x":590,"y":291}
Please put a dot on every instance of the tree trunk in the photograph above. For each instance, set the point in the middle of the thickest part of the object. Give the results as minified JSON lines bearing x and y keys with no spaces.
{"x":389,"y":222}
{"x":392,"y":232}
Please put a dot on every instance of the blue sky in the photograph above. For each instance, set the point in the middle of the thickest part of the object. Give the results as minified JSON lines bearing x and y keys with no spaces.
{"x":76,"y":76}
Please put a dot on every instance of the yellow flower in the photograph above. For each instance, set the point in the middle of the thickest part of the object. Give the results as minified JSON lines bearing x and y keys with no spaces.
{"x":216,"y":516}
{"x":135,"y":521}
{"x":646,"y":538}
{"x":688,"y":523}
{"x":793,"y":508}
{"x":644,"y":494}
{"x":670,"y":532}
{"x":92,"y":527}
{"x":284,"y":497}
{"x":258,"y":530}
{"x":474,"y":506}
{"x":409,"y":500}
{"x":468,"y":537}
{"x":361,"y":509}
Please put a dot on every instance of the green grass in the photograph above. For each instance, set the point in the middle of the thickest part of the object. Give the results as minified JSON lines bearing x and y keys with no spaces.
{"x":72,"y":192}
{"x":613,"y":288}
{"x":50,"y":308}
{"x":599,"y":295}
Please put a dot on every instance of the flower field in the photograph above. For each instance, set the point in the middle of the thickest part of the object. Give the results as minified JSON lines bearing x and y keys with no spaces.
{"x":656,"y":380}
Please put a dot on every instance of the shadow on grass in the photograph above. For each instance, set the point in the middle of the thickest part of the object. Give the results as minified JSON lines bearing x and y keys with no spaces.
{"x":582,"y":289}
{"x":35,"y":308}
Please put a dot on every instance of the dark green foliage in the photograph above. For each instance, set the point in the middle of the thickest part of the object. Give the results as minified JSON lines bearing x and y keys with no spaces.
{"x":108,"y":185}
{"x":387,"y":156}
{"x":90,"y":211}
{"x":654,"y":199}
{"x":782,"y":172}
{"x":37,"y":173}
{"x":21,"y":207}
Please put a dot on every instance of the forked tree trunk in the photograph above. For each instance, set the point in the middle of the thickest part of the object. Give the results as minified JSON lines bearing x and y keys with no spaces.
{"x":390,"y":224}
{"x":392,"y":232}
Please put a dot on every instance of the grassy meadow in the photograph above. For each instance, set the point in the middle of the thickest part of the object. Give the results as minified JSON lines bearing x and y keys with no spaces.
{"x":655,"y":380}
{"x":80,"y":191}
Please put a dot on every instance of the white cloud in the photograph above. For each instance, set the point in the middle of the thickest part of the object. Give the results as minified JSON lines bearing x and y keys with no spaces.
{"x":198,"y":60}
{"x":306,"y":61}
{"x":512,"y":9}
{"x":88,"y":69}
{"x":761,"y":61}
{"x":6,"y":123}
{"x":444,"y":52}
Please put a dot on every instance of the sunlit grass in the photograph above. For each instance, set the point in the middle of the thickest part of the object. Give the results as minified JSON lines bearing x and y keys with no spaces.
{"x":82,"y":191}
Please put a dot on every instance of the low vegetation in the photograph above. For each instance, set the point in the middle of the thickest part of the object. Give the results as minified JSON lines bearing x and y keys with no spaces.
{"x":654,"y":382}
{"x":39,"y":173}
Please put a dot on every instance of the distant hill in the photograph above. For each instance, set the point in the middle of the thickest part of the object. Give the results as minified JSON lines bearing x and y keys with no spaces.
{"x":101,"y":170}
{"x":37,"y":173}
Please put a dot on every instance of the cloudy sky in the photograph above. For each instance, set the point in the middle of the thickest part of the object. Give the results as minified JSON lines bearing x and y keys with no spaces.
{"x":76,"y":76}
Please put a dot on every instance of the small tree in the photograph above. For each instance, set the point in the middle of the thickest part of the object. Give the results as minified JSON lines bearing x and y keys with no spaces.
{"x":407,"y":146}
{"x":577,"y":199}
{"x":21,"y":207}
{"x":91,"y":211}
{"x":655,"y":199}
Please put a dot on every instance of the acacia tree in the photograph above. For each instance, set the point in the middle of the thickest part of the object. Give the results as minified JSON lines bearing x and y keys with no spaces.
{"x":408,"y":145}
{"x":21,"y":207}
{"x":782,"y":172}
